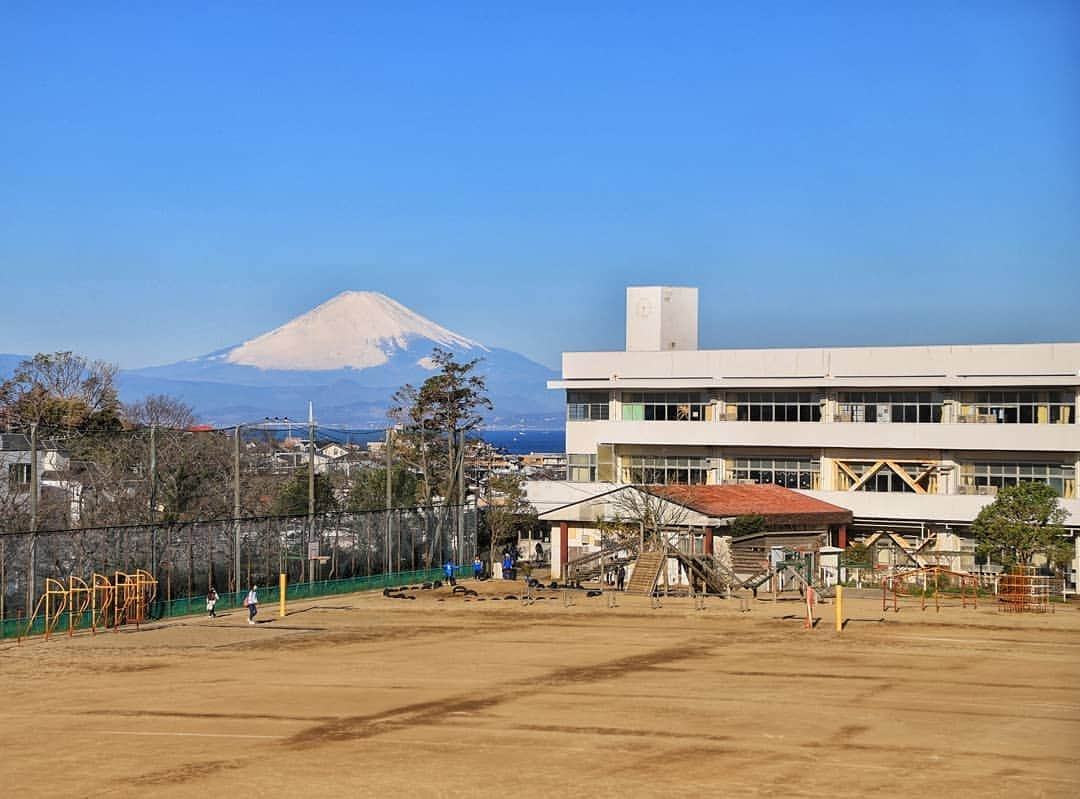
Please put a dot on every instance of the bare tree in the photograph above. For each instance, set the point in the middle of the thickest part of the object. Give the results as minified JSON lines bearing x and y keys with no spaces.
{"x":159,"y":410}
{"x":651,"y":515}
{"x":192,"y":477}
{"x":63,"y":391}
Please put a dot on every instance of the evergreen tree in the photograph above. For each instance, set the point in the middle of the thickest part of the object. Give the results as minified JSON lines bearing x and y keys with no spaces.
{"x":1025,"y":520}
{"x":293,"y":497}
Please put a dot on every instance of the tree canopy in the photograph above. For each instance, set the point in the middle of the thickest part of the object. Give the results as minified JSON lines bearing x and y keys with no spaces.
{"x":507,"y":512}
{"x":1023,"y":521}
{"x":63,"y":391}
{"x":432,"y":421}
{"x":368,"y":489}
{"x":747,"y":524}
{"x":449,"y":402}
{"x":292,"y":500}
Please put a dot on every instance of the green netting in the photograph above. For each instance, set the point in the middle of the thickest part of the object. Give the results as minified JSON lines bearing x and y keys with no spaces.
{"x":270,"y":595}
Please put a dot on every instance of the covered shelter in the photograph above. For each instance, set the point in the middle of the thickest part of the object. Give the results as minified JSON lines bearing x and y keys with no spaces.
{"x":694,"y":514}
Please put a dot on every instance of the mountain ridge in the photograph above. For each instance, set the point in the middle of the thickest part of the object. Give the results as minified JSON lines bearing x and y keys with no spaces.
{"x":321,"y":355}
{"x":228,"y":386}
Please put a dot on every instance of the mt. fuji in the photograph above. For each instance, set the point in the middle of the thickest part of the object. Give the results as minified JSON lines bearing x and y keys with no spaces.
{"x":348,"y":356}
{"x":354,"y":330}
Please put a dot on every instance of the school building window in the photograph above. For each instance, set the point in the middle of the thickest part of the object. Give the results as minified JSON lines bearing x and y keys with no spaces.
{"x":583,"y":406}
{"x":773,"y":406}
{"x":664,"y":406}
{"x":1018,"y":407}
{"x":888,"y":406}
{"x":1060,"y":477}
{"x":581,"y":468}
{"x":664,"y":470}
{"x":786,"y":472}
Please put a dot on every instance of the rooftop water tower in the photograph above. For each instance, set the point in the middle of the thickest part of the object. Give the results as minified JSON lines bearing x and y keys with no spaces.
{"x":661,"y":318}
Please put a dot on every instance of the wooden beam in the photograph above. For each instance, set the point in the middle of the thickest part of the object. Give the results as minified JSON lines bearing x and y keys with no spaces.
{"x":847,"y":470}
{"x":929,"y":540}
{"x":899,"y":470}
{"x":926,"y":472}
{"x":869,"y":473}
{"x":901,"y":544}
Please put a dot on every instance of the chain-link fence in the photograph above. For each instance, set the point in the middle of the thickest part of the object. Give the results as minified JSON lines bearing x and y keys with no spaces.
{"x":187,"y":558}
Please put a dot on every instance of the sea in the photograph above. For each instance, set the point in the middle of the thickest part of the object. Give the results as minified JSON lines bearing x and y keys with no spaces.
{"x":522,"y":442}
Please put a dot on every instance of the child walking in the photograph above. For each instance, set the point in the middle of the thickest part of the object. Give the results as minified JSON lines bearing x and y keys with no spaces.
{"x":211,"y":602}
{"x":252,"y":602}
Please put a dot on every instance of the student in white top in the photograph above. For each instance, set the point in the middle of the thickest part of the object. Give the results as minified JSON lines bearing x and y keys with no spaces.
{"x":252,"y":602}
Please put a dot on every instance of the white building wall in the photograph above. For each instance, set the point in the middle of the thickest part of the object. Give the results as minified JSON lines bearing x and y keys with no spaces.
{"x":582,"y":437}
{"x":944,"y":366}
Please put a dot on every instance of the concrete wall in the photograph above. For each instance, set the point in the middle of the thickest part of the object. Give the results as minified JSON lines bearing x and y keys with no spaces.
{"x":988,"y":364}
{"x":959,"y":508}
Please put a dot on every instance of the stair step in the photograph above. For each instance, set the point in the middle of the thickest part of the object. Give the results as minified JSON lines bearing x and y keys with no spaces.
{"x":646,"y":570}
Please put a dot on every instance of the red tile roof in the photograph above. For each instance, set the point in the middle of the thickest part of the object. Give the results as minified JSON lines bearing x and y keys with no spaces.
{"x":778,"y":505}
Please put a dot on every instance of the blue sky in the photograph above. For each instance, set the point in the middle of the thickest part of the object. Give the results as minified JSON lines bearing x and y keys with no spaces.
{"x":180,"y":178}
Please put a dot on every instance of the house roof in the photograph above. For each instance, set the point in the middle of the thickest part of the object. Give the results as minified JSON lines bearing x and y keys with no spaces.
{"x":778,"y":505}
{"x":20,"y":442}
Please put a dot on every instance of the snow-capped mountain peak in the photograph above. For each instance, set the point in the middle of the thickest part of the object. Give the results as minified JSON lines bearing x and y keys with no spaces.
{"x":355,"y":329}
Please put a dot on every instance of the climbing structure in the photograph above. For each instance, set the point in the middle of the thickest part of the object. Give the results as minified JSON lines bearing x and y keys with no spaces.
{"x":126,"y":599}
{"x":1024,"y":591}
{"x":929,"y":585}
{"x":50,"y":607}
{"x":797,"y":565}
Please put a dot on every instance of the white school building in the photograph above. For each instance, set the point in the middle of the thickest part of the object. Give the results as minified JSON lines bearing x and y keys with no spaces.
{"x":913,"y":440}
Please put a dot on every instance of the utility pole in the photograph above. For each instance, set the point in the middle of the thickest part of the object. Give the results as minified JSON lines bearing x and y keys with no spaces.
{"x":311,"y":481}
{"x":389,"y":491}
{"x":30,"y":591}
{"x":236,"y":508}
{"x":153,"y":473}
{"x":461,"y":499}
{"x":153,"y":498}
{"x":33,"y":478}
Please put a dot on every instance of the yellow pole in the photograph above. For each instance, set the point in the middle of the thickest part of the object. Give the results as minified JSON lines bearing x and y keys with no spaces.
{"x":281,"y":592}
{"x":839,"y":608}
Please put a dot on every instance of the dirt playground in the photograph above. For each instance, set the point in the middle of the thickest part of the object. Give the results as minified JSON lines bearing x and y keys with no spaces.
{"x":441,"y":695}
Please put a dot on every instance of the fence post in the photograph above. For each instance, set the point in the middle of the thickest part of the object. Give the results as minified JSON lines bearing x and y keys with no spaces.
{"x":839,"y":608}
{"x":281,"y":598}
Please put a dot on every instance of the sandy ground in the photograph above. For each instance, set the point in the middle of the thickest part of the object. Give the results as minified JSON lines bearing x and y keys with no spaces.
{"x":362,"y":695}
